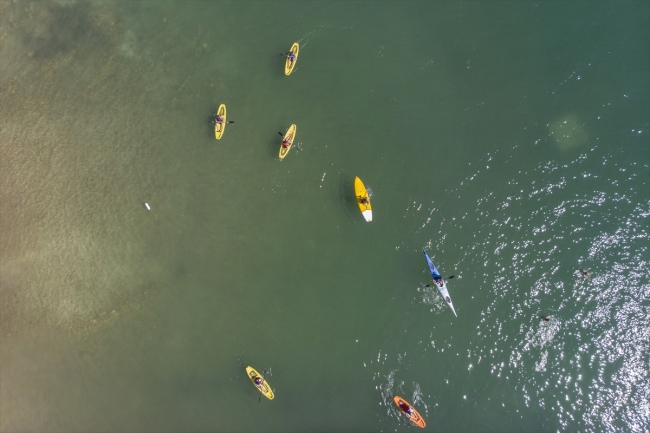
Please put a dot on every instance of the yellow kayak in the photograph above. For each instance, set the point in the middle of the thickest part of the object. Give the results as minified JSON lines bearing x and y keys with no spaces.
{"x":220,"y":127}
{"x":363,"y":199}
{"x":289,"y":135}
{"x":289,"y":65}
{"x":264,"y":387}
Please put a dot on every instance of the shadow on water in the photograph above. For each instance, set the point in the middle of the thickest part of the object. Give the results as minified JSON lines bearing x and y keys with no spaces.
{"x":210,"y":122}
{"x":346,"y":193}
{"x":274,"y":145}
{"x":62,"y":29}
{"x":277,"y":66}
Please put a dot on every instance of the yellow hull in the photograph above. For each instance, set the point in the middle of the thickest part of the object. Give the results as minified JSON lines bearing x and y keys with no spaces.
{"x":289,"y":65}
{"x":220,"y":127}
{"x":360,"y":192}
{"x":289,"y":135}
{"x":264,"y":388}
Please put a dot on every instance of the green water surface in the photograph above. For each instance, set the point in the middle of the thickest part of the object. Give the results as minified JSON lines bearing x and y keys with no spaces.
{"x":509,"y":139}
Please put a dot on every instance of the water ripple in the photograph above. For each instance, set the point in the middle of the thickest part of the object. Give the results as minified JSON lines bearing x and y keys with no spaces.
{"x":588,"y":365}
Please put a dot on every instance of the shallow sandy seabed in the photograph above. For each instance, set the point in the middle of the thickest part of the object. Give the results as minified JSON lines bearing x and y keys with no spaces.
{"x":74,"y":247}
{"x":568,"y":132}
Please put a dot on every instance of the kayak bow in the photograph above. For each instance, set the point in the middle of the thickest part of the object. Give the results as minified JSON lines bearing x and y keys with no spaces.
{"x":414,"y":416}
{"x":264,"y":388}
{"x":439,"y":282}
{"x":288,"y":64}
{"x":290,"y":135}
{"x":220,"y":127}
{"x":361,"y":192}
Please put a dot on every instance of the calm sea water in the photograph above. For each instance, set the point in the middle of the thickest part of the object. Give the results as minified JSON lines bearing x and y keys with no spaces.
{"x":509,"y":139}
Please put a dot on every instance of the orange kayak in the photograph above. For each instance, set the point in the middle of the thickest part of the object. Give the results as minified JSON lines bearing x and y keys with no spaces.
{"x":414,"y":416}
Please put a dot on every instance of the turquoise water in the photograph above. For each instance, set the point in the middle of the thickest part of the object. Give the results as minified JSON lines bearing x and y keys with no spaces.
{"x":509,"y":139}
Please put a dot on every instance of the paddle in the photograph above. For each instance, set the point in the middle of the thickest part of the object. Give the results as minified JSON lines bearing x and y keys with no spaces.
{"x":260,"y":399}
{"x":213,"y":121}
{"x":449,"y":278}
{"x":290,"y":142}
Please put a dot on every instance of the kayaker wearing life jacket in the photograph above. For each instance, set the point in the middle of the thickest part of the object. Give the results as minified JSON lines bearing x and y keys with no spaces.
{"x":286,"y":143}
{"x":258,"y":382}
{"x":218,"y":119}
{"x":364,"y":200}
{"x":291,"y":56}
{"x":405,"y":407}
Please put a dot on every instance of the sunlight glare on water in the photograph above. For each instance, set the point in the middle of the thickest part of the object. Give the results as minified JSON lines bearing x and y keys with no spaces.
{"x":508,"y":139}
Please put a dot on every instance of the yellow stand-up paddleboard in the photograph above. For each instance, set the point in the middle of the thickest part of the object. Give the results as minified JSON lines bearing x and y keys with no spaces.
{"x":290,"y":135}
{"x":363,"y":199}
{"x":220,"y":127}
{"x":263,"y":387}
{"x":289,"y":65}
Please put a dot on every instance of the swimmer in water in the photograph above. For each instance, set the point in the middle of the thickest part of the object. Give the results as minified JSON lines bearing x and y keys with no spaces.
{"x":584,"y":273}
{"x":545,"y":319}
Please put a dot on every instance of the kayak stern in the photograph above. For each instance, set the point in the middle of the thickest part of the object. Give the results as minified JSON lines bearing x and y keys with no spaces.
{"x":437,"y":279}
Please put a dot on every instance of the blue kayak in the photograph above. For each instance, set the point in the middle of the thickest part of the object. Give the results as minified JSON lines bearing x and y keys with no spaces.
{"x":439,"y":282}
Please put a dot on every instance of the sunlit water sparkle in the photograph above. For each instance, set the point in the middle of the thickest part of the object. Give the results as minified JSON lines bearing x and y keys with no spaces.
{"x":509,"y":140}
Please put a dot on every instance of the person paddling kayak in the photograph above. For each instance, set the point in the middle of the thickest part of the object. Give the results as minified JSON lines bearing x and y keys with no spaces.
{"x":285,"y":143}
{"x":409,"y":411}
{"x":405,"y":407}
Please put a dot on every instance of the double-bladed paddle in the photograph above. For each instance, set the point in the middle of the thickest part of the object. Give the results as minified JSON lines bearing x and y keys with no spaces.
{"x":213,"y":121}
{"x":263,"y":374}
{"x":448,"y":278}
